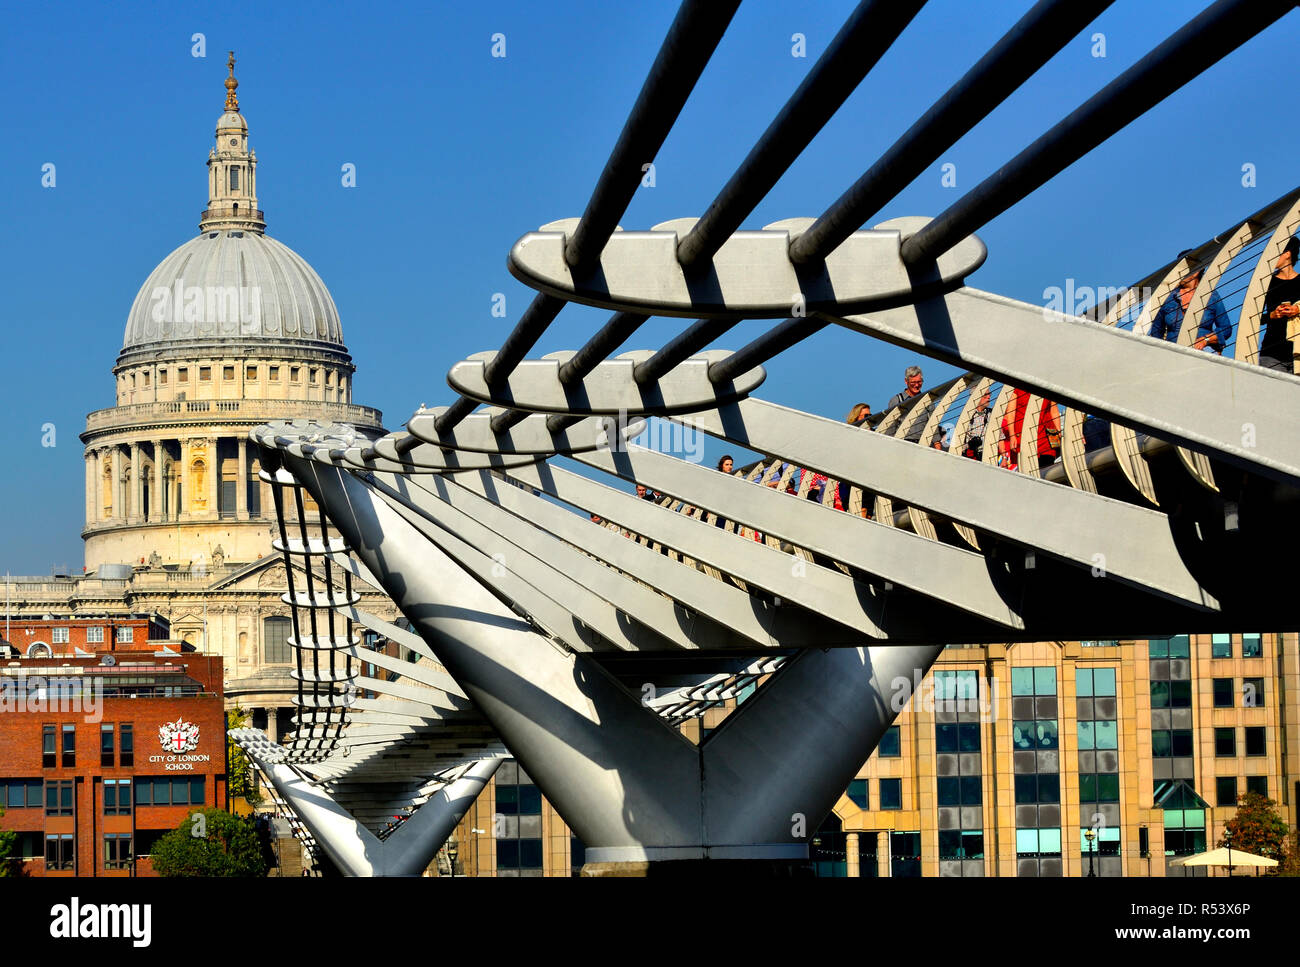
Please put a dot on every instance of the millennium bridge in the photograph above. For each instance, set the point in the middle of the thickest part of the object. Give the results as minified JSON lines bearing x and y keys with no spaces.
{"x":541,"y":594}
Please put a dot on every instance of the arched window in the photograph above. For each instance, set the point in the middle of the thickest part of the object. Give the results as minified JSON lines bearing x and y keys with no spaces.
{"x":275,"y":639}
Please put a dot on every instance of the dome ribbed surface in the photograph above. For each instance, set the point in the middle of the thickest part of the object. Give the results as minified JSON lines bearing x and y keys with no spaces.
{"x":279,"y":295}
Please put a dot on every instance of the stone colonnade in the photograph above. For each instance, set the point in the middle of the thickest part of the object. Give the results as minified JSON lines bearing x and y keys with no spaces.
{"x":182,"y":476}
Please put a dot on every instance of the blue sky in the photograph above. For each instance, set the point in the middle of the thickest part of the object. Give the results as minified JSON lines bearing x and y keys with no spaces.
{"x":458,"y":153}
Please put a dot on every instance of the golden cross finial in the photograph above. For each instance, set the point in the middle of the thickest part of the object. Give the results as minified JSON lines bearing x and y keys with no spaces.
{"x":232,"y":102}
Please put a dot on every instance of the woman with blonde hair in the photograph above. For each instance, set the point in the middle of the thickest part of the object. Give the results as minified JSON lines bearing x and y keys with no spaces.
{"x":858,"y":415}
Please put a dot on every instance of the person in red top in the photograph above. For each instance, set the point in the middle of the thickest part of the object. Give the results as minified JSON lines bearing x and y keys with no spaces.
{"x":1049,"y":431}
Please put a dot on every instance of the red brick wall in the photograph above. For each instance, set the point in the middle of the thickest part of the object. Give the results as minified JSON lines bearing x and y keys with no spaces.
{"x":20,"y":757}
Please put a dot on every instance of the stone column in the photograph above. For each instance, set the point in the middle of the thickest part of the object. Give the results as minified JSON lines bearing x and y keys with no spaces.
{"x":214,"y":476}
{"x":241,"y":480}
{"x":97,"y":500}
{"x":851,"y":854}
{"x":156,"y":491}
{"x":882,"y":854}
{"x":91,"y":464}
{"x":272,"y":725}
{"x":137,"y":483}
{"x":119,"y":488}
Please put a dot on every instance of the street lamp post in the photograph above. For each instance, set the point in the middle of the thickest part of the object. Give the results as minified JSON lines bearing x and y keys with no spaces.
{"x":1090,"y":836}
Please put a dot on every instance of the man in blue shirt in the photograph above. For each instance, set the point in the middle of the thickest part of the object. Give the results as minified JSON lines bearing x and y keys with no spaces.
{"x":1215,"y":329}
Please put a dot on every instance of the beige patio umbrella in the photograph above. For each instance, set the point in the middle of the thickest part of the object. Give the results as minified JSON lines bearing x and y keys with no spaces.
{"x":1225,"y":856}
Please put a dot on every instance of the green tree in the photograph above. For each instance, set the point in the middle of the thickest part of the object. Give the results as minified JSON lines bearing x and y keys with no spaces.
{"x":240,"y":775}
{"x":210,"y":842}
{"x":1257,"y":828}
{"x":11,"y":864}
{"x":1290,"y":865}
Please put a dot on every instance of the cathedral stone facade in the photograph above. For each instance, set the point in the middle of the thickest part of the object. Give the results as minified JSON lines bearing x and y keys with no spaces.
{"x":231,"y":330}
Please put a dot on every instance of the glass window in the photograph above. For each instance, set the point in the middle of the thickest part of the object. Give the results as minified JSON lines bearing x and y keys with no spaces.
{"x":972,"y":791}
{"x":945,"y":738}
{"x":60,"y":852}
{"x":1255,"y":743}
{"x":106,"y":745}
{"x":508,"y":799}
{"x":1252,"y":646}
{"x":1158,"y":648}
{"x":1103,"y":685}
{"x":1159,"y":694}
{"x":117,"y":851}
{"x":968,"y":737}
{"x":69,"y":746}
{"x":250,"y":373}
{"x":126,"y":749}
{"x":1225,"y":790}
{"x":1026,"y":841}
{"x":891,"y":793}
{"x":1045,"y":681}
{"x":1023,"y":735}
{"x":1221,"y":646}
{"x":1180,"y":694}
{"x":857,"y":793}
{"x":1049,"y":787}
{"x":59,"y":636}
{"x":1161,"y":744}
{"x":144,"y":792}
{"x":1223,"y":693}
{"x":1107,"y":735}
{"x":48,"y":747}
{"x":1180,"y":646}
{"x":1225,"y":743}
{"x":530,"y":854}
{"x":95,"y":634}
{"x":507,"y":854}
{"x":1049,"y":841}
{"x":1252,"y":693}
{"x":1047,"y":733}
{"x":125,"y":634}
{"x":1087,"y":787}
{"x":275,"y":638}
{"x":1108,"y":787}
{"x":1027,"y":789}
{"x":950,"y":844}
{"x":1083,"y":682}
{"x":1182,"y":742}
{"x":117,"y":797}
{"x":234,"y":178}
{"x":196,"y":791}
{"x":1022,"y":681}
{"x":1086,"y":740}
{"x":1258,"y":785}
{"x":58,"y":798}
{"x":890,"y":747}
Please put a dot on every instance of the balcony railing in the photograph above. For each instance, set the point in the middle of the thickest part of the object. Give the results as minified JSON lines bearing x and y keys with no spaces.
{"x":202,"y":411}
{"x":253,"y":214}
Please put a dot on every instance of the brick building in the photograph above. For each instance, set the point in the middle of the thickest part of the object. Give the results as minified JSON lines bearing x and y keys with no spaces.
{"x":110,"y":736}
